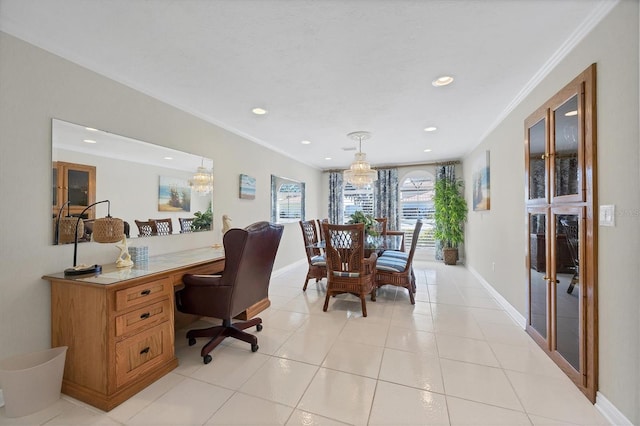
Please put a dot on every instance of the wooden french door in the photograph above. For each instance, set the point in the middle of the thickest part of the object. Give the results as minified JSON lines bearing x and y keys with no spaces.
{"x":560,"y":151}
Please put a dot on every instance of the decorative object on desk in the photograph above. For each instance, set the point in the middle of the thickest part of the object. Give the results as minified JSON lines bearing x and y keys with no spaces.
{"x":226,"y":223}
{"x":450,"y":214}
{"x":247,"y":187}
{"x":174,"y":195}
{"x":65,"y":227}
{"x":370,"y":223}
{"x":105,"y":230}
{"x":202,"y":181}
{"x":202,"y":221}
{"x":124,"y":258}
{"x":139,"y":254}
{"x":481,"y":180}
{"x":360,"y":173}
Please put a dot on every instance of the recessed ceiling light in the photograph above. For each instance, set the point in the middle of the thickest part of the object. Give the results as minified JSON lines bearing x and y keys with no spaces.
{"x":430,"y":129}
{"x":91,"y":129}
{"x":327,"y":158}
{"x":442,"y":81}
{"x":259,"y":111}
{"x":571,"y":113}
{"x":89,"y":141}
{"x":168,"y":158}
{"x":305,"y":142}
{"x":427,"y":150}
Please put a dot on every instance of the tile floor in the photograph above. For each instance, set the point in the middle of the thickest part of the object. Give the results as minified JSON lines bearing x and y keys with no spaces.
{"x":454,"y":358}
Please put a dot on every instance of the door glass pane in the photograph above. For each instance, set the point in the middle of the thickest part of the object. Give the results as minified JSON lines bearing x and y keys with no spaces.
{"x":566,"y":148}
{"x":78,"y":187}
{"x":537,"y":271}
{"x":537,"y":146}
{"x":568,"y":288}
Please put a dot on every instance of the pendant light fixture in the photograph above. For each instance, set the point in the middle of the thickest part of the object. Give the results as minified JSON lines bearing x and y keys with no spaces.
{"x":202,"y":181}
{"x":360,"y":173}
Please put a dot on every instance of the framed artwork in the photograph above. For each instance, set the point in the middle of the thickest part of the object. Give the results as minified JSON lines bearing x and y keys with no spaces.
{"x":247,"y":187}
{"x":481,"y":176}
{"x":174,"y":195}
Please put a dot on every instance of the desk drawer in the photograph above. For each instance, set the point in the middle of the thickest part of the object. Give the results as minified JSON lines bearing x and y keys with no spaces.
{"x":143,"y":352}
{"x":143,"y":293}
{"x":144,"y":317}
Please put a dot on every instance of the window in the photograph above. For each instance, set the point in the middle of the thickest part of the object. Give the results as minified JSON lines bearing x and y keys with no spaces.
{"x":357,"y":199}
{"x":287,"y":200}
{"x":416,"y":202}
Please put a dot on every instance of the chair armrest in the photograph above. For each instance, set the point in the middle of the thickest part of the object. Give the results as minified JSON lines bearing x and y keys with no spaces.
{"x":370,"y":263}
{"x":197,"y":280}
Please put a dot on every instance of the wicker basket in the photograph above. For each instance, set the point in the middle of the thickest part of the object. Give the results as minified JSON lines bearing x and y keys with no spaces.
{"x":108,"y":230}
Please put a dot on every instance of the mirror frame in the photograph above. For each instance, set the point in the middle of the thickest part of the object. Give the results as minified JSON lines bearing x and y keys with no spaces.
{"x":276,"y":214}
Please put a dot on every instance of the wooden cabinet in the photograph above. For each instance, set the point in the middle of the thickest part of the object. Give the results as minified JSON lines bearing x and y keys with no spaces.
{"x":75,"y":183}
{"x":119,"y":325}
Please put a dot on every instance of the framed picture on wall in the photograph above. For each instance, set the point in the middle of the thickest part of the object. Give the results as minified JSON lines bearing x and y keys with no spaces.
{"x":481,"y":178}
{"x":174,"y":195}
{"x":247,"y":187}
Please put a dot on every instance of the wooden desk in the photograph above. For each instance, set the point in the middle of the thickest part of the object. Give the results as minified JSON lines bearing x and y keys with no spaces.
{"x":119,"y":325}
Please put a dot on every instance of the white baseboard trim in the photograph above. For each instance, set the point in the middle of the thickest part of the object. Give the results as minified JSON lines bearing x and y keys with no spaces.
{"x":606,"y":408}
{"x":513,"y":312}
{"x":610,"y":412}
{"x":287,"y":268}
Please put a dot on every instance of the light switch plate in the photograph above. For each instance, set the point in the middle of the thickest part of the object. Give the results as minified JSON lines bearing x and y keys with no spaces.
{"x":607,"y":215}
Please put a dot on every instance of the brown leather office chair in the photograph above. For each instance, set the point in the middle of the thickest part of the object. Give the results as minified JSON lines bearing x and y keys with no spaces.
{"x":395,"y":267}
{"x":348,"y":271}
{"x":249,"y":257}
{"x":315,"y":259}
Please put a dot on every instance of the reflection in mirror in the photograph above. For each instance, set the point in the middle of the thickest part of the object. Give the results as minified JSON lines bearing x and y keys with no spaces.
{"x":145,"y":183}
{"x":287,"y":200}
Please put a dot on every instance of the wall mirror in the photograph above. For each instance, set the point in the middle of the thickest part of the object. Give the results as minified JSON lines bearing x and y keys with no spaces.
{"x":154,"y":189}
{"x":287,"y":200}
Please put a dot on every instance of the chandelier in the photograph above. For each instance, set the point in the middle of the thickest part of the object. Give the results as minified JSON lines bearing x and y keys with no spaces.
{"x":360,"y":173}
{"x":202,"y":181}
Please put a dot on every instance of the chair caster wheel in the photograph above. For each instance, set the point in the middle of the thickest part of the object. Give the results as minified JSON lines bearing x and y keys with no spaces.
{"x":192,"y":341}
{"x":206,"y":359}
{"x":254,"y":348}
{"x":259,"y":327}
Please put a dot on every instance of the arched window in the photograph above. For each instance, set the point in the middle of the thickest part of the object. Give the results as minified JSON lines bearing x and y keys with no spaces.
{"x":416,"y":202}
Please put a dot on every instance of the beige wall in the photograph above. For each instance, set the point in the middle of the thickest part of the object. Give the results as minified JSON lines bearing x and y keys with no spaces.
{"x":499,"y":234}
{"x":35,"y":87}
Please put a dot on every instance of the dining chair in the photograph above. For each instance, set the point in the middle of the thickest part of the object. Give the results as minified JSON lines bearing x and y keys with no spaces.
{"x":315,"y":258}
{"x":382,"y":225}
{"x":144,"y":228}
{"x":185,"y":224}
{"x":348,"y":271}
{"x":161,"y":226}
{"x":401,"y":234}
{"x":396,"y":267}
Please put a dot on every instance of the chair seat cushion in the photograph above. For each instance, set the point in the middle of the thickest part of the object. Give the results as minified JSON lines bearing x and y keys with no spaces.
{"x":395,"y":254}
{"x":346,"y":274}
{"x":318,"y":261}
{"x":391,"y":264}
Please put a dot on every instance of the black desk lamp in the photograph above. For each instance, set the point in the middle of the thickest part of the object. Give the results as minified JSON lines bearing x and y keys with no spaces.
{"x":105,"y":230}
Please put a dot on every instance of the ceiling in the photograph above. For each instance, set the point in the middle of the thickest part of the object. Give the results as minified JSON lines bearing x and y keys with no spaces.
{"x":322,"y":69}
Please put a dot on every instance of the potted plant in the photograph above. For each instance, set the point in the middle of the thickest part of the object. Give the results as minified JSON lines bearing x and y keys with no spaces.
{"x":202,"y":221}
{"x":450,"y":214}
{"x":370,"y":224}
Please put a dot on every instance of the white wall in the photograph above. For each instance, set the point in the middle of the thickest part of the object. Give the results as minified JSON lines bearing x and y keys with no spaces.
{"x":498,"y":235}
{"x":35,"y":87}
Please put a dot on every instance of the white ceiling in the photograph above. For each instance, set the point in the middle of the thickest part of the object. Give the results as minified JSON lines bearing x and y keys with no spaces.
{"x":322,"y":68}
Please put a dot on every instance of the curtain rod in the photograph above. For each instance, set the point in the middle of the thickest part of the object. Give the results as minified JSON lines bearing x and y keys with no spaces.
{"x":434,"y":163}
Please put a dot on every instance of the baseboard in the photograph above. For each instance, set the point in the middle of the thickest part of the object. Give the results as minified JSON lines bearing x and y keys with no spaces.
{"x":288,"y":268}
{"x":513,"y":312}
{"x":610,"y":412}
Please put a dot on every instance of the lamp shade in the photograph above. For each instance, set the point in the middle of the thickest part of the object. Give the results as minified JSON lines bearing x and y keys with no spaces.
{"x":68,"y":231}
{"x":108,"y":230}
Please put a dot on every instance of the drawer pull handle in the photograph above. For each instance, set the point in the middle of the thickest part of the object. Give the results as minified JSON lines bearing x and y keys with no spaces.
{"x":145,"y":292}
{"x":145,"y":315}
{"x":144,"y":351}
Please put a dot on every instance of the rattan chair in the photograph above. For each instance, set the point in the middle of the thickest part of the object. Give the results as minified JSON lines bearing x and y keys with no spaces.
{"x":144,"y":228}
{"x":185,"y":224}
{"x":400,"y":233}
{"x":395,"y":267}
{"x":382,"y":225}
{"x":348,"y":271}
{"x":315,"y":259}
{"x":161,"y":226}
